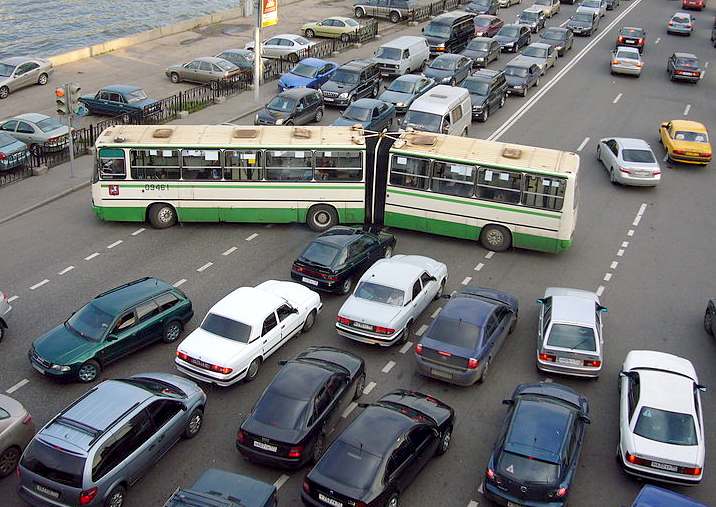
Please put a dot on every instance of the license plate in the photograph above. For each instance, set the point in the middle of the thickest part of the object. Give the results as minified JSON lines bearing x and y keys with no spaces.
{"x":664,"y":466}
{"x":441,"y":374}
{"x":265,"y":447}
{"x":385,"y":73}
{"x":327,"y":99}
{"x":47,"y":491}
{"x":642,"y":173}
{"x":330,"y":501}
{"x":309,"y":281}
{"x":200,"y":364}
{"x":38,"y":368}
{"x":569,"y":361}
{"x":363,"y":326}
{"x":630,"y":41}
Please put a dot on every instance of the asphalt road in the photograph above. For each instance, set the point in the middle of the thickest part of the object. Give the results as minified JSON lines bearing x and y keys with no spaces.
{"x":649,"y":251}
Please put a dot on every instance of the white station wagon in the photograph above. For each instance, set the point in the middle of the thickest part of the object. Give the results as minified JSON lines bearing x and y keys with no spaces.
{"x":661,"y":427}
{"x":389,"y":297}
{"x":244,"y":328}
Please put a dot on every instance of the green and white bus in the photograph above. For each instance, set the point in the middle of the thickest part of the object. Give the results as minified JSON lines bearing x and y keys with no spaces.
{"x":499,"y":194}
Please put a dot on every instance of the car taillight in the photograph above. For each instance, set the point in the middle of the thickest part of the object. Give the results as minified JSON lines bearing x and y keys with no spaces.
{"x":419,"y":348}
{"x":343,"y":320}
{"x":295,"y":452}
{"x":473,"y":363}
{"x":679,"y":152}
{"x":594,"y":363}
{"x":221,"y":369}
{"x":705,"y":155}
{"x":298,"y":268}
{"x":547,"y":357}
{"x":639,"y":64}
{"x":635,"y":460}
{"x":27,"y":419}
{"x":383,"y":330}
{"x":490,"y":473}
{"x":241,"y":437}
{"x":330,"y":278}
{"x":624,"y":170}
{"x":2,"y":156}
{"x":621,"y":39}
{"x":87,"y":496}
{"x":690,"y":470}
{"x":307,"y":487}
{"x":181,"y":355}
{"x":640,"y":41}
{"x":561,"y":492}
{"x":671,"y":23}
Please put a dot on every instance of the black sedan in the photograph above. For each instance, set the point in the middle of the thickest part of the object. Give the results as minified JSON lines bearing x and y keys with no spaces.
{"x":295,"y":106}
{"x":537,"y":454}
{"x":336,"y":258}
{"x":290,"y":423}
{"x":513,"y":37}
{"x":465,"y":338}
{"x":631,"y":36}
{"x":374,"y":460}
{"x":684,"y":67}
{"x":482,"y":50}
{"x":449,"y":69}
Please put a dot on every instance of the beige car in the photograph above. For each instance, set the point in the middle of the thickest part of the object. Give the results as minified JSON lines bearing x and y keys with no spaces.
{"x":549,"y":7}
{"x":203,"y":70}
{"x":19,"y":72}
{"x":16,"y":431}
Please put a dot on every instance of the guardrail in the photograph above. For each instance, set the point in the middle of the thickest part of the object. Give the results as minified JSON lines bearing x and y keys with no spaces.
{"x":434,"y":9}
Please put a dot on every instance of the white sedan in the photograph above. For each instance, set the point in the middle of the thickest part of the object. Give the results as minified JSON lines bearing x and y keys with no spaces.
{"x":244,"y":328}
{"x":286,"y":45}
{"x":389,"y":298}
{"x":629,"y":161}
{"x":660,"y":422}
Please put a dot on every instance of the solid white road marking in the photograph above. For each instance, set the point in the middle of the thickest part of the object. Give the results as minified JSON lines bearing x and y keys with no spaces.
{"x":369,"y":388}
{"x":14,"y":298}
{"x":281,"y":481}
{"x":600,"y":291}
{"x":138,"y":231}
{"x":630,"y":232}
{"x":625,"y":243}
{"x":251,"y":237}
{"x":388,"y":366}
{"x":180,"y":282}
{"x":636,"y":221}
{"x":17,"y":386}
{"x":118,"y":242}
{"x":616,"y":99}
{"x":658,"y":40}
{"x":607,"y":277}
{"x":467,"y":280}
{"x":481,"y":489}
{"x":406,"y":347}
{"x":90,"y":257}
{"x":584,"y":143}
{"x":687,"y":109}
{"x":350,"y":408}
{"x":39,"y":284}
{"x":620,"y":252}
{"x":435,"y":313}
{"x":66,"y":270}
{"x":614,"y":265}
{"x":479,"y":266}
{"x":205,"y":266}
{"x":422,"y":329}
{"x":230,"y":251}
{"x":489,"y":255}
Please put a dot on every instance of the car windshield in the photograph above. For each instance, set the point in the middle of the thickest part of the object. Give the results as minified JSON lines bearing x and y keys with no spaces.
{"x":345,"y":76}
{"x":516,"y":71}
{"x":681,"y":19}
{"x":320,"y":253}
{"x":437,"y":30}
{"x":349,"y":465}
{"x":694,"y":137}
{"x":357,"y":113}
{"x":594,"y":4}
{"x":90,"y":322}
{"x":380,"y":294}
{"x":388,"y":53}
{"x":302,"y":41}
{"x":443,"y":64}
{"x":629,"y":55}
{"x":483,"y":4}
{"x":304,"y":70}
{"x":225,"y":65}
{"x":687,"y":62}
{"x":509,"y":31}
{"x":423,"y":121}
{"x":476,"y":86}
{"x":553,"y":35}
{"x":6,"y":70}
{"x":572,"y":337}
{"x":49,"y":124}
{"x":535,"y":52}
{"x":631,"y":32}
{"x":53,"y":464}
{"x":455,"y":332}
{"x":528,"y":16}
{"x":527,"y":469}
{"x":136,"y":96}
{"x":639,"y":156}
{"x":481,"y":22}
{"x":279,"y":411}
{"x":479,"y":45}
{"x":667,"y":427}
{"x":402,"y":86}
{"x":226,"y":328}
{"x":281,"y":104}
{"x":583,"y":17}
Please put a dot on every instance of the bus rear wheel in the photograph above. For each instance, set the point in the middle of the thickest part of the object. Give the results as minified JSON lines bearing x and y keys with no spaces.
{"x":162,"y":215}
{"x":496,"y":238}
{"x":321,"y":217}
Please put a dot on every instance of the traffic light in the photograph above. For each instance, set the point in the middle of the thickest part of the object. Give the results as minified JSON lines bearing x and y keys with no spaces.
{"x":61,"y":101}
{"x":73,"y":90}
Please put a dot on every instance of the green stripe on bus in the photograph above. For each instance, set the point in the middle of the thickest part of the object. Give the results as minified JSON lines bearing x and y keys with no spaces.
{"x":220,"y":185}
{"x":438,"y":197}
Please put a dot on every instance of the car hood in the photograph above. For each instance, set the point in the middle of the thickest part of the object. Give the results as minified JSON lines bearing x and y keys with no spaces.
{"x":434,"y":41}
{"x":62,"y":346}
{"x":369,"y":312}
{"x":335,"y":86}
{"x":477,"y":100}
{"x":178,"y":66}
{"x":576,"y":23}
{"x":272,"y":115}
{"x":210,"y":348}
{"x":286,"y":436}
{"x":687,"y":455}
{"x":395,"y":97}
{"x":347,"y":122}
{"x":503,"y":39}
{"x":473,"y":54}
{"x":515,"y":80}
{"x":294,"y":81}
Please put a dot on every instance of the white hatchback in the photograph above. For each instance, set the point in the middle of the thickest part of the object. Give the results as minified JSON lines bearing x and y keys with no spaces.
{"x":661,"y":428}
{"x":244,"y":328}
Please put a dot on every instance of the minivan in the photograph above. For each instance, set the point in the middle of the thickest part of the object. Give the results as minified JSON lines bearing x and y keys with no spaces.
{"x":444,"y":109}
{"x":403,"y":55}
{"x":450,"y":32}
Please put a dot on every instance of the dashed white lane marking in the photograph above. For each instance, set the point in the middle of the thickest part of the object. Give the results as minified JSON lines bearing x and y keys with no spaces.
{"x":614,"y":265}
{"x":600,"y":291}
{"x":116,"y":243}
{"x":422,"y":329}
{"x":39,"y":284}
{"x":706,"y":65}
{"x":230,"y":251}
{"x":479,"y":266}
{"x":563,"y":23}
{"x":620,"y":252}
{"x":630,"y":232}
{"x":350,"y":408}
{"x":687,"y":109}
{"x":642,"y":209}
{"x":369,"y":388}
{"x":636,"y":221}
{"x":14,"y":298}
{"x":388,"y":366}
{"x":138,"y":231}
{"x":616,"y":99}
{"x":584,"y":143}
{"x":658,"y":40}
{"x":17,"y":386}
{"x":66,"y":270}
{"x":251,"y":237}
{"x":626,"y":243}
{"x":467,"y":280}
{"x":92,"y":256}
{"x":481,"y":489}
{"x":281,"y":481}
{"x":205,"y":266}
{"x":607,"y":277}
{"x":435,"y":313}
{"x":473,"y":503}
{"x":180,"y":282}
{"x":406,"y":347}
{"x":489,"y":255}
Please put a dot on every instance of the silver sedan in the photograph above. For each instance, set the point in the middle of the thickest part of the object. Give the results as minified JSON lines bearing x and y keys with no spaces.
{"x":39,"y":132}
{"x":16,"y":431}
{"x":629,"y":161}
{"x":626,"y":61}
{"x":544,"y":55}
{"x":203,"y":70}
{"x":18,"y":72}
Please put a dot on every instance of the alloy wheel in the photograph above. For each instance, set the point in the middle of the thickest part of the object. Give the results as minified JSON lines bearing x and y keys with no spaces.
{"x":87,"y":373}
{"x":173,"y":331}
{"x":8,"y":461}
{"x":117,"y":499}
{"x":195,"y":423}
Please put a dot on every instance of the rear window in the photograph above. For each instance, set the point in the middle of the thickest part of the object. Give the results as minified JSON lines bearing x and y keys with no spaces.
{"x":667,"y":427}
{"x":694,"y":137}
{"x":54,"y":464}
{"x":349,"y":465}
{"x":526,"y":469}
{"x":681,"y":19}
{"x":226,"y":328}
{"x":572,"y":337}
{"x":280,"y":411}
{"x":641,"y":156}
{"x":455,"y":332}
{"x":380,"y":294}
{"x":49,"y":124}
{"x":631,"y":32}
{"x":321,"y":254}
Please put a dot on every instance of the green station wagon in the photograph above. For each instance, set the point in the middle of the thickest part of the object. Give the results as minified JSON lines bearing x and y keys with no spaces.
{"x":111,"y":326}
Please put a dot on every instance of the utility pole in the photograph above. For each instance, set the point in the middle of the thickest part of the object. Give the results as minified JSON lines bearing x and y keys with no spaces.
{"x":257,"y":49}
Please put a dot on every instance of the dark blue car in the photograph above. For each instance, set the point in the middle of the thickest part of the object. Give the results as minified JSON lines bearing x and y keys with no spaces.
{"x":464,"y":339}
{"x":114,"y":100}
{"x":537,"y":453}
{"x":372,"y":114}
{"x":217,"y":488}
{"x":653,"y":496}
{"x":308,"y":73}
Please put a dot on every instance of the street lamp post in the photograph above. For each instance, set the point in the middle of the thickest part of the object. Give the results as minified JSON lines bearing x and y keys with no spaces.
{"x":257,"y":50}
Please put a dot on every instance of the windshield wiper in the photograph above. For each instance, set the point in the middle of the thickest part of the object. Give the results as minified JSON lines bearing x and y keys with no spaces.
{"x":76,"y":331}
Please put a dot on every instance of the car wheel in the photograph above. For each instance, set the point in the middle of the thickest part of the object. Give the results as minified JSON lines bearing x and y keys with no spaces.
{"x":388,"y":252}
{"x":293,"y":58}
{"x":376,"y":90}
{"x":360,"y":387}
{"x":359,"y":12}
{"x":162,"y":215}
{"x":485,"y":370}
{"x":4,"y":92}
{"x":502,"y":101}
{"x":406,"y":332}
{"x":308,"y":323}
{"x":345,"y":37}
{"x":172,"y":331}
{"x":514,"y":324}
{"x":310,"y":33}
{"x":346,"y":286}
{"x":393,"y":501}
{"x":9,"y":459}
{"x":88,"y":372}
{"x":321,"y":217}
{"x":441,"y":290}
{"x":2,"y":332}
{"x":496,"y":238}
{"x":709,"y":322}
{"x":174,"y":77}
{"x":485,"y":114}
{"x":319,"y":115}
{"x":445,"y":439}
{"x":194,"y":423}
{"x":599,"y":152}
{"x":253,"y":370}
{"x":394,"y":17}
{"x":115,"y":497}
{"x":319,"y":446}
{"x":42,"y":80}
{"x":612,"y":178}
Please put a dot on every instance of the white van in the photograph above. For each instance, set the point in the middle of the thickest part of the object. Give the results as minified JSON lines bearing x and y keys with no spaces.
{"x":444,"y":109}
{"x":402,"y":55}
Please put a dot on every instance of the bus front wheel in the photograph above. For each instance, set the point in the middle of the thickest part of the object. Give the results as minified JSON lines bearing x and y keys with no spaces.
{"x":496,"y":238}
{"x":322,"y":217}
{"x":162,"y":215}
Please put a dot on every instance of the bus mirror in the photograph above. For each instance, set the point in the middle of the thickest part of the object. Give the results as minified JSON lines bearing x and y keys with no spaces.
{"x":602,"y":309}
{"x":540,"y":301}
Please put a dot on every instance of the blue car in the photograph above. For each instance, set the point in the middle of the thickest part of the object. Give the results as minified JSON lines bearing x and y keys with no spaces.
{"x":114,"y":100}
{"x":308,"y":73}
{"x":464,"y":339}
{"x":13,"y":153}
{"x":372,"y":114}
{"x":653,"y":496}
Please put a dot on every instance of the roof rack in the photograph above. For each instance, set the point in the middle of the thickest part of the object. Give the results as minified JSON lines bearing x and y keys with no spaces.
{"x":128,"y":284}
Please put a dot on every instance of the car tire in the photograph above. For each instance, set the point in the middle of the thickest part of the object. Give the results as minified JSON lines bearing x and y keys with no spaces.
{"x":502,"y":101}
{"x":394,"y":17}
{"x":172,"y":331}
{"x":162,"y":215}
{"x":375,"y":91}
{"x":388,"y":252}
{"x":612,"y":178}
{"x":709,"y":322}
{"x":174,"y":77}
{"x":194,"y":423}
{"x":496,"y":238}
{"x":514,"y":324}
{"x":253,"y":370}
{"x":293,"y":58}
{"x":9,"y":459}
{"x":485,"y":114}
{"x":406,"y":332}
{"x":599,"y":152}
{"x":319,"y":447}
{"x":89,"y":372}
{"x":321,"y":217}
{"x":393,"y":501}
{"x":310,"y":34}
{"x":2,"y":332}
{"x":360,"y":387}
{"x":445,"y":440}
{"x":116,"y":497}
{"x":537,"y":82}
{"x":43,"y":79}
{"x":485,"y":371}
{"x":319,"y":115}
{"x":440,"y":291}
{"x":4,"y":92}
{"x":359,"y":12}
{"x":308,"y":323}
{"x":346,"y":286}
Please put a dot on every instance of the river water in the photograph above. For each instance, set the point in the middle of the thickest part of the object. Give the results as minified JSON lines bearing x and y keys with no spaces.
{"x":48,"y":27}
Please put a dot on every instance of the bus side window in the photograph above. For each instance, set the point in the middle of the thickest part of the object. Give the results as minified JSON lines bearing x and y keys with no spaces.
{"x":112,"y":169}
{"x":242,"y":165}
{"x":544,"y":192}
{"x":289,"y":165}
{"x":339,"y":166}
{"x":409,"y":172}
{"x":499,"y":185}
{"x":200,"y":165}
{"x":155,"y":164}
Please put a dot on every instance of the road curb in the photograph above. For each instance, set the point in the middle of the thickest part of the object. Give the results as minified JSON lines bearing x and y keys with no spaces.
{"x":44,"y":202}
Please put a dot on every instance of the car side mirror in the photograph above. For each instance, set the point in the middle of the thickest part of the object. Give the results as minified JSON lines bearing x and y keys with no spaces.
{"x":602,"y":309}
{"x":585,"y":419}
{"x":701,"y":388}
{"x":112,"y":337}
{"x":508,"y":402}
{"x":294,"y":310}
{"x":282,"y":362}
{"x":184,"y":408}
{"x":299,"y":108}
{"x":422,"y":30}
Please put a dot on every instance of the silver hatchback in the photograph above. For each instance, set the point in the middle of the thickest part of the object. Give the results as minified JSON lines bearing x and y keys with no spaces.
{"x":18,"y":72}
{"x":107,"y":440}
{"x":569,"y":332}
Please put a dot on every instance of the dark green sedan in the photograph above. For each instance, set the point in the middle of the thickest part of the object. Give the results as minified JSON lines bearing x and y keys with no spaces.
{"x":111,"y":326}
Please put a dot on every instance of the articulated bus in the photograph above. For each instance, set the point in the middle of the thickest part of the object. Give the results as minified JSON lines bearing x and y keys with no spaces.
{"x":500,"y":194}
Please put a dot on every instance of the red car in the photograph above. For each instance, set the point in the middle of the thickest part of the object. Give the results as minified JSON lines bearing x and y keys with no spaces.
{"x":693,"y":4}
{"x":487,"y":25}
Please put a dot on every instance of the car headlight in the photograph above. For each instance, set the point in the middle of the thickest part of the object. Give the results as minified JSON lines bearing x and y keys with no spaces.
{"x":400,"y":104}
{"x":60,"y":367}
{"x":343,"y":96}
{"x":510,"y":44}
{"x":446,"y":79}
{"x":480,"y":59}
{"x":559,"y":48}
{"x":279,"y":121}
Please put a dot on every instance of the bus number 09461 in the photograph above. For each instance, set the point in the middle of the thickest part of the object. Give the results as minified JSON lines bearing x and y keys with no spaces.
{"x":153,"y":186}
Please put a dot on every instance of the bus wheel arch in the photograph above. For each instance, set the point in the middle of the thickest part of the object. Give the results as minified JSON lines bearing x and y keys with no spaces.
{"x":497,"y":238}
{"x":161,"y":215}
{"x":321,"y":217}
